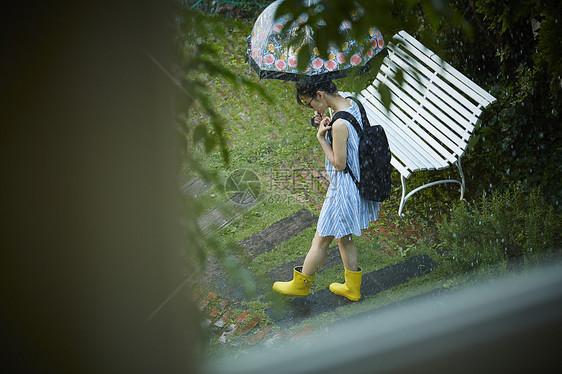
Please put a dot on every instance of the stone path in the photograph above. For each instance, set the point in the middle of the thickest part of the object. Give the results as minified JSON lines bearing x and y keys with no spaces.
{"x":257,"y":244}
{"x":218,"y":307}
{"x":372,"y":283}
{"x":222,"y":319}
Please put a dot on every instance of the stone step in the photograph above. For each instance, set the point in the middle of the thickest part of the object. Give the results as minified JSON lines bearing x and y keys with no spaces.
{"x":222,"y":214}
{"x":265,"y":240}
{"x":372,"y":283}
{"x":227,"y":211}
{"x":196,"y":186}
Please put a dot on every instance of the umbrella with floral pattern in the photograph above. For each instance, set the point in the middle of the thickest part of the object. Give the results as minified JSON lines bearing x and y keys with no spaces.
{"x":272,"y":53}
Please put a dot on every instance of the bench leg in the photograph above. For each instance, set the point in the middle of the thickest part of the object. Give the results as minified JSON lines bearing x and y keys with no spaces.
{"x":462,"y":177}
{"x":406,"y":197}
{"x":403,"y":199}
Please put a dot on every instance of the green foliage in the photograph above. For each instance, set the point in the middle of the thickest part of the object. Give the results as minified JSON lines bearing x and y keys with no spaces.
{"x":502,"y":226}
{"x":389,"y":16}
{"x":200,"y":57}
{"x":203,"y":43}
{"x":228,"y":8}
{"x":521,"y":131}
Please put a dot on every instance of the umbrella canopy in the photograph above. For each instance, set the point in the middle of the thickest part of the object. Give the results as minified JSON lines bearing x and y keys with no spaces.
{"x":273,"y":53}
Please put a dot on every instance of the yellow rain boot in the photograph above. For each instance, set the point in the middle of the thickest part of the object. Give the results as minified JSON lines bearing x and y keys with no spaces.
{"x":299,"y":286}
{"x":352,"y":286}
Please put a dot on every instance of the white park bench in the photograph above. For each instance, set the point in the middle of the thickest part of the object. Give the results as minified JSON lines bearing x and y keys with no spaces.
{"x":432,"y":114}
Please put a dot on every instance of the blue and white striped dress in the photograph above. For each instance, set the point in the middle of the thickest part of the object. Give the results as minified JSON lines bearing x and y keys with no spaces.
{"x":344,"y":211}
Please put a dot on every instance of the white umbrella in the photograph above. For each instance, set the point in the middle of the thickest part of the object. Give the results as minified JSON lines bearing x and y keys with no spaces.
{"x":273,"y":52}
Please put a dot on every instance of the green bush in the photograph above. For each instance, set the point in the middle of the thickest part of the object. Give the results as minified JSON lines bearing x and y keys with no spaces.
{"x":522,"y":69}
{"x":500,"y":226}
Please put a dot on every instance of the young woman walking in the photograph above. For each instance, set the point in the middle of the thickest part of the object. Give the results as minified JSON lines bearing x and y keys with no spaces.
{"x":344,"y":212}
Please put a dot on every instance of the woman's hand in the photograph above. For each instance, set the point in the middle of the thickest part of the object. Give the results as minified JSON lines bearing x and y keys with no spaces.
{"x":323,"y":127}
{"x":317,"y":118}
{"x":336,"y":153}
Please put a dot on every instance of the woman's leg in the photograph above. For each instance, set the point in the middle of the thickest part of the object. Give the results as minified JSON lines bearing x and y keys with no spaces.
{"x":348,"y":252}
{"x":317,"y":254}
{"x":352,"y":286}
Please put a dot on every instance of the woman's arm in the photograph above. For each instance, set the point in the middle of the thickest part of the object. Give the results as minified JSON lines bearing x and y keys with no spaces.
{"x":337,"y":152}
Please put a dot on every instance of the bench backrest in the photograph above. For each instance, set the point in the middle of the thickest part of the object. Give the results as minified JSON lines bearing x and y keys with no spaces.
{"x":432,"y":113}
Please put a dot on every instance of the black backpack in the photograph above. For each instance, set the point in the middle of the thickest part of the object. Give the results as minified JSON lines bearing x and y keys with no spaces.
{"x":374,"y":156}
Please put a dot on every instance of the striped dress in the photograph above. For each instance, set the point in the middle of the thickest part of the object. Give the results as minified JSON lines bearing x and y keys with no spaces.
{"x":344,"y":211}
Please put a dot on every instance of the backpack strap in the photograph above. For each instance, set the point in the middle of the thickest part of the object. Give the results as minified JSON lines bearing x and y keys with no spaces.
{"x":348,"y":117}
{"x":364,"y":118}
{"x":351,"y":119}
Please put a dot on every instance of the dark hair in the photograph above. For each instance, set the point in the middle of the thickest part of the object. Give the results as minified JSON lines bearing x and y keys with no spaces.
{"x":308,"y":89}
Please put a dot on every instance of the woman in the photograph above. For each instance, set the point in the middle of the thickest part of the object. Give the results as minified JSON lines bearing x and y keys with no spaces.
{"x":344,"y":211}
